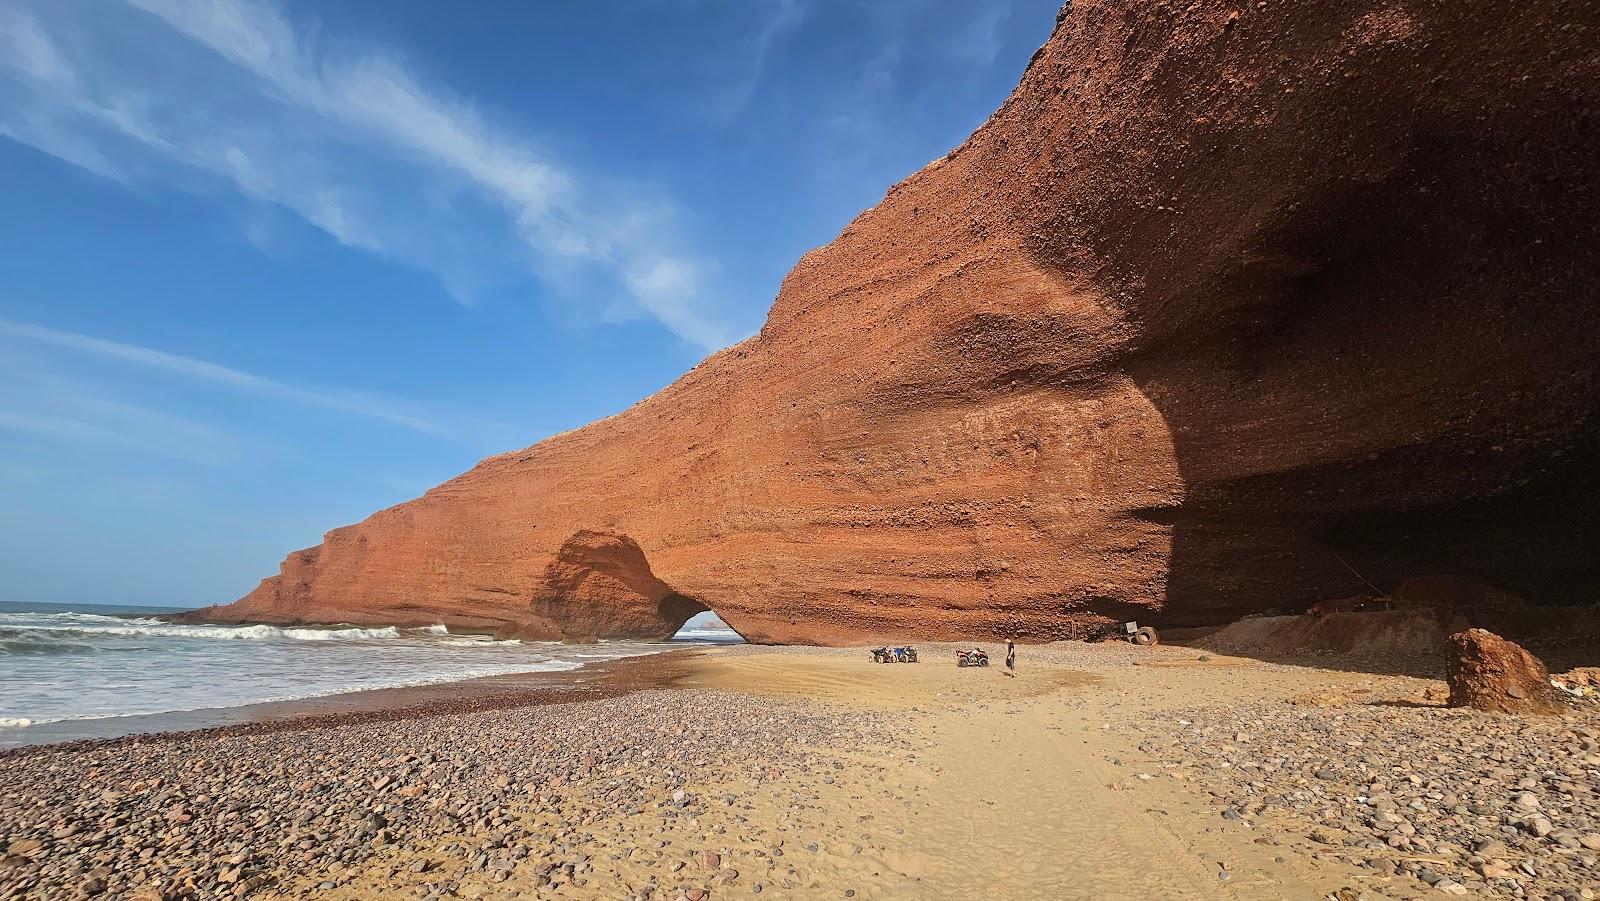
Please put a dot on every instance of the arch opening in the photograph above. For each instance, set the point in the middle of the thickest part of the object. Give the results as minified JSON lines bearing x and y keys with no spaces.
{"x":600,"y":585}
{"x":707,"y":626}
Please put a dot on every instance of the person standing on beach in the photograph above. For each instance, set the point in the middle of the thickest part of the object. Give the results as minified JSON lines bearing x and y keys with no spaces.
{"x":1011,"y":658}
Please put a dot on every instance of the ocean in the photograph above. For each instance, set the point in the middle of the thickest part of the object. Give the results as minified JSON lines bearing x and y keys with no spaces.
{"x":63,"y":663}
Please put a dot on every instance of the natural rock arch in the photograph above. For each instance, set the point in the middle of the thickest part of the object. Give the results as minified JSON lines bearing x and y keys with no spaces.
{"x":1226,"y":309}
{"x":600,"y":586}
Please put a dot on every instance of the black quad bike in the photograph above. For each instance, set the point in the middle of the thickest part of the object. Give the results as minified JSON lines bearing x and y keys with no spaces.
{"x":894,"y":655}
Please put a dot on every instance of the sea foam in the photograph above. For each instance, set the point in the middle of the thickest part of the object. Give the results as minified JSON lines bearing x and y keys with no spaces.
{"x":58,"y":666}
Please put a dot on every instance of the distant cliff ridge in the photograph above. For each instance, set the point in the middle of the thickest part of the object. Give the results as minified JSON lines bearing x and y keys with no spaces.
{"x":1226,"y":304}
{"x":708,"y":622}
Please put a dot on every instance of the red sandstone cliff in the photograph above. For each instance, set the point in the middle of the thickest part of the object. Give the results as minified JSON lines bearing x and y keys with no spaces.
{"x":1227,"y":302}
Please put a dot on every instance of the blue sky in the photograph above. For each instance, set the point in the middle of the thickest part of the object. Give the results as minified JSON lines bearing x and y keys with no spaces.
{"x":268,"y":267}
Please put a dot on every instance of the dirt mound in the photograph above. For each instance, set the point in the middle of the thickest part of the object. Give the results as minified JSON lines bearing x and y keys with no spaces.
{"x":1401,"y":635}
{"x":1409,"y":638}
{"x":1226,"y":304}
{"x":1454,"y":592}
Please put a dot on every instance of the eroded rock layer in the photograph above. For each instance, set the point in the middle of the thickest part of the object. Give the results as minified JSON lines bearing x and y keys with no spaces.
{"x":1231,"y":306}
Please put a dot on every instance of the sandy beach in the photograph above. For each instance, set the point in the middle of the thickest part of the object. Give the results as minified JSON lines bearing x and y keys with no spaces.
{"x":1099,"y":771}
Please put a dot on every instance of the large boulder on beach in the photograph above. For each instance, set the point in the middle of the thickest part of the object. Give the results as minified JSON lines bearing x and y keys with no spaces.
{"x":1487,"y":672}
{"x":1230,"y":306}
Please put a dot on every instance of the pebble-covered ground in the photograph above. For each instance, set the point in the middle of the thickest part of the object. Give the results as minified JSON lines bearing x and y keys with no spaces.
{"x":509,"y":792}
{"x":839,"y":778}
{"x":1455,"y":802}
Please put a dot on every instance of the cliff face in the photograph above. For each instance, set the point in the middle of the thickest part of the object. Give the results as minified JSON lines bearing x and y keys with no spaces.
{"x":1227,"y":303}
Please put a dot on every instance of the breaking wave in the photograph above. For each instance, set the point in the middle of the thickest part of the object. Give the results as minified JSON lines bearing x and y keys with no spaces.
{"x":58,"y":666}
{"x":67,"y":633}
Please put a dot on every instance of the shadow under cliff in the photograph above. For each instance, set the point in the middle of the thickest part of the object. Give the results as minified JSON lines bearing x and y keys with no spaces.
{"x":1373,"y":330}
{"x":1392,"y":372}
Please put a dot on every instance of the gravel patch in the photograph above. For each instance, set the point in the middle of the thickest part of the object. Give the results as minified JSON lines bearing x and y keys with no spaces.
{"x":1456,"y":802}
{"x":234,"y":814}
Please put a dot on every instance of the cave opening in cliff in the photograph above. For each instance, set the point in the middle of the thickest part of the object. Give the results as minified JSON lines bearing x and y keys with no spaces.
{"x":707,"y":626}
{"x":694,"y":621}
{"x":601,"y":585}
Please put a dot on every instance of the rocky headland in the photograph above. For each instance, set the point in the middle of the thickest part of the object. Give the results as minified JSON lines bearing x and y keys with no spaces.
{"x":1231,"y":306}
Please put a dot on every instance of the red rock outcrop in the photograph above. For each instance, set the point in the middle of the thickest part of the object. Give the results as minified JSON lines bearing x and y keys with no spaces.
{"x":1486,"y":672}
{"x":1228,"y":303}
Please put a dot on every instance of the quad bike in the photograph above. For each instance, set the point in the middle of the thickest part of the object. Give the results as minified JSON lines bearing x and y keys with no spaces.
{"x":882,"y":655}
{"x":1144,"y":636}
{"x":974,"y":657}
{"x":905,"y":655}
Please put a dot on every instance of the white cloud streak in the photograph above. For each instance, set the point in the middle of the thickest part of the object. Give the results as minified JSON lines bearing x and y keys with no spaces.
{"x":779,"y":18}
{"x":192,"y":92}
{"x":64,"y":412}
{"x":340,"y":401}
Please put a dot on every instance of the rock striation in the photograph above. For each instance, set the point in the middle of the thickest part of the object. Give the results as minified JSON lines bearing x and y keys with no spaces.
{"x":1230,"y":307}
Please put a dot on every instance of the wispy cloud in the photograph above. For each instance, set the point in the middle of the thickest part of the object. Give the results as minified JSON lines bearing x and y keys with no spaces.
{"x":777,"y":19}
{"x":338,"y":400}
{"x":978,"y":40}
{"x":924,"y":68}
{"x":66,"y":413}
{"x":201,"y":93}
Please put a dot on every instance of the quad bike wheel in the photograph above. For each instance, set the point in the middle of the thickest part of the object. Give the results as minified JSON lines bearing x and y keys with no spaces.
{"x":983,"y":661}
{"x":961,"y":661}
{"x":1145,"y":637}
